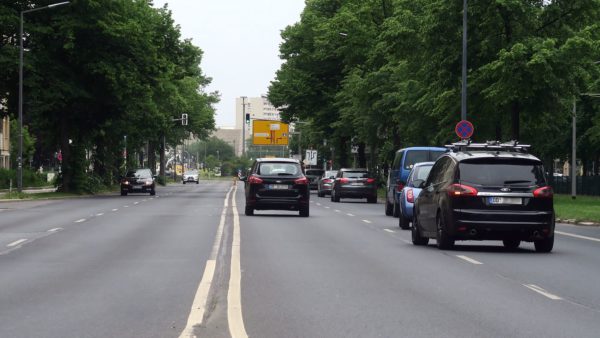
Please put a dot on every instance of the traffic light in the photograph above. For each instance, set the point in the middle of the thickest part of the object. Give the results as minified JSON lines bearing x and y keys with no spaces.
{"x":184,"y":119}
{"x":247,"y":118}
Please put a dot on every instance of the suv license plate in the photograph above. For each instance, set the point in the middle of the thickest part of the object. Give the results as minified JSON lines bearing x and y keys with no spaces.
{"x":279,"y":186}
{"x":505,"y":200}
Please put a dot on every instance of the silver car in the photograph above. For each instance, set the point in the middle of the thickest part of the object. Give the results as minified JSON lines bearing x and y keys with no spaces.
{"x":191,"y":176}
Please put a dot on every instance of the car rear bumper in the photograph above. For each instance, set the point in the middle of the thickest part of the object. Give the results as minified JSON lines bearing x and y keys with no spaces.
{"x":137,"y":188}
{"x":356,"y":192}
{"x":498,"y":225}
{"x":266,"y":203}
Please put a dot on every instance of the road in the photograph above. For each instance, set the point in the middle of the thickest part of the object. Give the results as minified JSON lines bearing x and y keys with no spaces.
{"x":184,"y":263}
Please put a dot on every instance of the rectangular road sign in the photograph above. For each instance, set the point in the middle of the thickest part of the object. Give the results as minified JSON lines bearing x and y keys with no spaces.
{"x":270,"y":133}
{"x":311,"y":157}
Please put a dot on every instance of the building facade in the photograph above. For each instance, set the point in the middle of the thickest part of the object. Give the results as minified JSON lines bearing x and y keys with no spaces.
{"x":5,"y":142}
{"x":259,"y":108}
{"x":232,"y":136}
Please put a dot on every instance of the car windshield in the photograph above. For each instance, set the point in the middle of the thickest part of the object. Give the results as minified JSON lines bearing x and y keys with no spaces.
{"x":330,"y":173}
{"x":279,"y":169}
{"x":191,"y":172}
{"x":355,"y":174}
{"x":140,"y":173}
{"x":501,"y":173}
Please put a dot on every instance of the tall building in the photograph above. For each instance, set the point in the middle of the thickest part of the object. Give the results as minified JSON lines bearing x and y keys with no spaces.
{"x":4,"y":142}
{"x":232,"y":136}
{"x":259,"y":108}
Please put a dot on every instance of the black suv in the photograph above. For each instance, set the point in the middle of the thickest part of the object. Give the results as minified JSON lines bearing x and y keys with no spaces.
{"x":354,"y":183}
{"x":276,"y":184}
{"x":140,"y":180}
{"x":488,"y":191}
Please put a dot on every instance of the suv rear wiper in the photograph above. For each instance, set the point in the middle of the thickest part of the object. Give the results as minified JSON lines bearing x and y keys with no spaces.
{"x":517,"y":181}
{"x":284,"y":174}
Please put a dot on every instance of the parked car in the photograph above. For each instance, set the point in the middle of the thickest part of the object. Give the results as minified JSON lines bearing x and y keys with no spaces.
{"x":403,"y":162}
{"x":410,"y":192}
{"x":276,"y":184}
{"x":191,"y":176}
{"x":325,"y":183}
{"x":487,"y":191}
{"x":313,"y":176}
{"x":354,"y":183}
{"x":139,"y":180}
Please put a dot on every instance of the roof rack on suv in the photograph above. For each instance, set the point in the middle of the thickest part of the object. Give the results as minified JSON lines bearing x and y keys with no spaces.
{"x":465,"y":145}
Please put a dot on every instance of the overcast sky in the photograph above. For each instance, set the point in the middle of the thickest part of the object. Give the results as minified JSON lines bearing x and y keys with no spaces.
{"x":240,"y":40}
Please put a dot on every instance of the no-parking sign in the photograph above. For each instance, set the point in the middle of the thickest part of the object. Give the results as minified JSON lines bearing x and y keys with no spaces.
{"x":464,"y":129}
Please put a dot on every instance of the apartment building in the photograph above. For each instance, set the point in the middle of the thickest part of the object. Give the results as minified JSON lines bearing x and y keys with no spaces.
{"x":259,"y":108}
{"x":5,"y":142}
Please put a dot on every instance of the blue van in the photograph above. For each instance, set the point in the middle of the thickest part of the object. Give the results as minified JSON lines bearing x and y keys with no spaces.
{"x":403,"y":162}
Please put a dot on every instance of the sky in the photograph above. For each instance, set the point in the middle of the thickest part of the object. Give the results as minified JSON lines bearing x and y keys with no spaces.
{"x":240,"y":40}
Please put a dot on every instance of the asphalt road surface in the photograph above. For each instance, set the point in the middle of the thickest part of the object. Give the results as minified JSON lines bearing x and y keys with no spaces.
{"x":185,"y":263}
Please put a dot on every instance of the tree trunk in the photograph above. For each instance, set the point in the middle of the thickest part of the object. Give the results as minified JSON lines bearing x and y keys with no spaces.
{"x":362,"y":158}
{"x":66,"y":172}
{"x":162,"y":156}
{"x":152,"y":156}
{"x":343,"y":152}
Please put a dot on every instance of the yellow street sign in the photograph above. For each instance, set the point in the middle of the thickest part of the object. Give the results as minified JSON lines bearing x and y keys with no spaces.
{"x":270,"y":133}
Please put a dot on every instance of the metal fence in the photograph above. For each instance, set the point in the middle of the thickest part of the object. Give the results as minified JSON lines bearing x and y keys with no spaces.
{"x":586,"y":185}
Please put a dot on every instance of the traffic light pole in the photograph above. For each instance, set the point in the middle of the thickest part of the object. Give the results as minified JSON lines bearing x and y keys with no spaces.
{"x":243,"y":126}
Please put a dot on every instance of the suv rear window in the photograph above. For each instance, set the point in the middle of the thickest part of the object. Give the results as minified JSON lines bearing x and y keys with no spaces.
{"x":279,"y":169}
{"x":502,"y":172}
{"x":416,"y":156}
{"x":314,"y":172}
{"x":355,"y":174}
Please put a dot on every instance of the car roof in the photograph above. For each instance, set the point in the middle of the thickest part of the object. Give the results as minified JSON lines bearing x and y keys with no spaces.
{"x":277,"y":159}
{"x":422,"y":148}
{"x":476,"y":154}
{"x":423,"y":164}
{"x":353,"y":169}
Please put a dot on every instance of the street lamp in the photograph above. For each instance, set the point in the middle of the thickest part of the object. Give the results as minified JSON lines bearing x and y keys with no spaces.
{"x":463,"y":99}
{"x":243,"y":126}
{"x":20,"y":157}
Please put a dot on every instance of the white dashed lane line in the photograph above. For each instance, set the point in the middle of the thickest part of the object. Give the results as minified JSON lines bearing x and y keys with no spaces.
{"x":17,"y":242}
{"x":80,"y":220}
{"x":367,"y":221}
{"x":577,"y":236}
{"x":55,"y":229}
{"x":100,"y":214}
{"x":115,"y":210}
{"x":469,"y":259}
{"x":327,"y":208}
{"x":350,"y":215}
{"x":541,"y":291}
{"x":336,"y":210}
{"x":388,"y":230}
{"x":134,"y":203}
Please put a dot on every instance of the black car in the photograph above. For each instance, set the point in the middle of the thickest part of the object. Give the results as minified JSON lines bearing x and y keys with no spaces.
{"x":276,"y":184}
{"x":354,"y":183}
{"x":140,"y":180}
{"x":488,"y":191}
{"x":313,"y":176}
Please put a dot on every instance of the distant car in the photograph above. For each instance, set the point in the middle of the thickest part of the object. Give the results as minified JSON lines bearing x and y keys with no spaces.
{"x":410,"y":192}
{"x":325,"y":183}
{"x":140,"y":180}
{"x":276,"y":184}
{"x":487,"y":191}
{"x":313,"y":176}
{"x":354,"y":183}
{"x":191,"y":176}
{"x":401,"y":166}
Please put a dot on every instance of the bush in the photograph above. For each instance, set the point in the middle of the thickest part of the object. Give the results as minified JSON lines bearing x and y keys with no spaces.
{"x":30,"y":178}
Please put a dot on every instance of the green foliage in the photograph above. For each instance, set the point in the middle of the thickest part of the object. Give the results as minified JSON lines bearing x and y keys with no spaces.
{"x":30,"y":179}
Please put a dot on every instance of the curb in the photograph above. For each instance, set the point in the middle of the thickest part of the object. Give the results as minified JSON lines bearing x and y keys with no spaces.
{"x":576,"y":222}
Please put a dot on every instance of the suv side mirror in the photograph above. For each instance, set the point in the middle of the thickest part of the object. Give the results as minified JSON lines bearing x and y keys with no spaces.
{"x":419,"y":184}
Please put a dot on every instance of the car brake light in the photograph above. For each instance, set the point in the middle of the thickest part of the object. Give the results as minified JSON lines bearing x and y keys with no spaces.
{"x":344,"y":180}
{"x":399,"y":186}
{"x":459,"y":190}
{"x":302,"y":181}
{"x":370,"y":180}
{"x":410,"y":196}
{"x":327,"y":180}
{"x":255,"y":180}
{"x":543,"y":192}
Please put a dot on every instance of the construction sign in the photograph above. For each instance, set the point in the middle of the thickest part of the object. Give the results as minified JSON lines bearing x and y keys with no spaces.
{"x":270,"y":133}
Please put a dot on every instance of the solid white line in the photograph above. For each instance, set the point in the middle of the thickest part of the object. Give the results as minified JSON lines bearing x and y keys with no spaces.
{"x":234,"y":294}
{"x":577,"y":236}
{"x":199,"y":305}
{"x":350,"y":215}
{"x":115,"y":209}
{"x":541,"y":291}
{"x":100,"y":214}
{"x":55,"y":229}
{"x":17,"y":242}
{"x":80,"y":220}
{"x":469,"y":259}
{"x":367,"y":221}
{"x":388,"y":230}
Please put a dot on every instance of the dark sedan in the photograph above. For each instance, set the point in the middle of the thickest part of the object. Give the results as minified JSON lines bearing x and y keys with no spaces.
{"x":140,"y":180}
{"x":354,"y":183}
{"x":276,"y":184}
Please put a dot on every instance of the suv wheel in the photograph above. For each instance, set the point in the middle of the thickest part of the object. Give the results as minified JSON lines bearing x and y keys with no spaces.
{"x":372,"y":199}
{"x":152,"y":192}
{"x":334,"y":196}
{"x":304,"y":211}
{"x":123,"y":193}
{"x":249,"y":211}
{"x":444,"y":241}
{"x":417,"y":239}
{"x":544,"y":245}
{"x":388,"y":207}
{"x":511,"y":243}
{"x":403,"y":222}
{"x":320,"y":193}
{"x":396,"y":210}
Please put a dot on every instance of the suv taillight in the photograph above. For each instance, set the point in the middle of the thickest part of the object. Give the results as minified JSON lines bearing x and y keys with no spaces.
{"x":255,"y":180}
{"x":460,"y":190}
{"x":327,"y":180}
{"x":344,"y":180}
{"x":370,"y":180}
{"x":410,"y":196}
{"x":301,"y":181}
{"x":543,"y":192}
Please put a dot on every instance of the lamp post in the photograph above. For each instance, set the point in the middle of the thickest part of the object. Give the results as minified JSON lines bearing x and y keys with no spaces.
{"x":243,"y":126}
{"x":463,"y":99}
{"x":20,"y":157}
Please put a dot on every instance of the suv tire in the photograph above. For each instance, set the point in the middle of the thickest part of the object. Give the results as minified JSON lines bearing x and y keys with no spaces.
{"x":335,"y":197}
{"x":304,"y":211}
{"x":396,"y":210}
{"x":152,"y":192}
{"x":403,"y":222}
{"x":388,"y":207}
{"x":417,"y":239}
{"x":249,"y":211}
{"x":320,"y":193}
{"x":372,"y":199}
{"x":544,"y":245}
{"x":444,"y":241}
{"x":123,"y":193}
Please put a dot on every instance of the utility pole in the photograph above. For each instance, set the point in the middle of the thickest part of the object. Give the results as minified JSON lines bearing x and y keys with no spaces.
{"x":243,"y":126}
{"x":574,"y":151}
{"x":463,"y":100}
